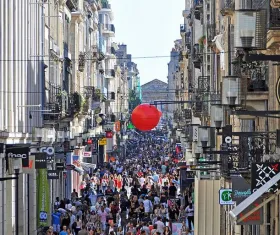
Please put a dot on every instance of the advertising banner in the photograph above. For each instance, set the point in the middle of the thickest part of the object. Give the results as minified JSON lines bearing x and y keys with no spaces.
{"x":241,"y":189}
{"x":43,"y":197}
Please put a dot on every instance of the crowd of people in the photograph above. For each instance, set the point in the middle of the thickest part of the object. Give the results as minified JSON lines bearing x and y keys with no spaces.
{"x":137,"y":194}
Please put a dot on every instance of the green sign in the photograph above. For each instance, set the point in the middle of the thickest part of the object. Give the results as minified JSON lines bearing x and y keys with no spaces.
{"x":130,"y":126}
{"x":43,"y":197}
{"x":226,"y":197}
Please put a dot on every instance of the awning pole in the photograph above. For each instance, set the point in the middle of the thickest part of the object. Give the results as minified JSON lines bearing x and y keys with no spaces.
{"x":267,"y":200}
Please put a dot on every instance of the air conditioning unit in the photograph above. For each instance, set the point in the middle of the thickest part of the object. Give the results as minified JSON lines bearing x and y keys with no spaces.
{"x":250,"y":29}
{"x":231,"y":91}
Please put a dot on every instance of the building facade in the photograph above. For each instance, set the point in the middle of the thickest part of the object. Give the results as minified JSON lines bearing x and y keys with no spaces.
{"x":155,"y":90}
{"x":231,"y":89}
{"x":61,"y":92}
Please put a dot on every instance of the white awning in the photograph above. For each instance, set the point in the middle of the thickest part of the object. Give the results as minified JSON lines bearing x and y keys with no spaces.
{"x":253,"y":197}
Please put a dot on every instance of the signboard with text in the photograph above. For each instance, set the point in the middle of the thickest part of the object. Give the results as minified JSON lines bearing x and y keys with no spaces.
{"x":241,"y":189}
{"x":225,"y":197}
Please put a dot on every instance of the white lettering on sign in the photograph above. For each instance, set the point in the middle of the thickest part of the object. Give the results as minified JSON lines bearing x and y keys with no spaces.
{"x":12,"y":155}
{"x":48,"y":150}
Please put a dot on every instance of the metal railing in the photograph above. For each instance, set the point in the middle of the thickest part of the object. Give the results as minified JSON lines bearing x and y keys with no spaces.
{"x":72,"y":4}
{"x":274,"y":18}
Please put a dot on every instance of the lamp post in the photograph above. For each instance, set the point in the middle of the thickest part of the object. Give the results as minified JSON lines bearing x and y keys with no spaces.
{"x":16,"y":197}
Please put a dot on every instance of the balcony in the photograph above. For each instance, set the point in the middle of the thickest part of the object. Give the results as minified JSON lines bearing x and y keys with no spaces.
{"x":211,"y":28}
{"x":273,"y":34}
{"x":72,"y":5}
{"x":111,"y":51}
{"x":203,"y":84}
{"x":183,"y":29}
{"x":53,"y":113}
{"x":105,"y":4}
{"x":227,"y":7}
{"x":110,"y":73}
{"x":82,"y":62}
{"x":94,"y":4}
{"x":109,"y":29}
{"x":197,"y":55}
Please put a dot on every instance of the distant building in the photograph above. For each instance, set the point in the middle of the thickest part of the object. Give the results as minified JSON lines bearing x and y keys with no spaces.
{"x":173,"y":67}
{"x":155,"y":90}
{"x":125,"y":62}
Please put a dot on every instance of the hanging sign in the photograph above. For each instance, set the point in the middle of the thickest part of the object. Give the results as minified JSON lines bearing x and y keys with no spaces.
{"x":103,"y":141}
{"x":117,"y":126}
{"x":53,"y":174}
{"x":15,"y":151}
{"x":225,"y":197}
{"x":86,"y":154}
{"x":109,"y":134}
{"x":40,"y":160}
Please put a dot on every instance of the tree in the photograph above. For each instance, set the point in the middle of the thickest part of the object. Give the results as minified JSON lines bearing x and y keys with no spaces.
{"x":133,"y":100}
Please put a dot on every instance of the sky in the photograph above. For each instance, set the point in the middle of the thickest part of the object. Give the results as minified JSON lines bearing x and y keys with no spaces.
{"x":148,"y":28}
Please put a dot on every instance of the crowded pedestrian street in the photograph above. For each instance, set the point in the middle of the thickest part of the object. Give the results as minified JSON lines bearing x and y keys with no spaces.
{"x":137,"y":194}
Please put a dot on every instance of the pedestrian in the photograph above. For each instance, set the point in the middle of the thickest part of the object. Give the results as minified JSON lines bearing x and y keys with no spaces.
{"x":190,"y":215}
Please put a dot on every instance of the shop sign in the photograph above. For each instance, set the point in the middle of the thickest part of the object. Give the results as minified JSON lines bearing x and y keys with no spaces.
{"x":225,"y":197}
{"x":241,"y":189}
{"x":14,"y":151}
{"x":87,"y":154}
{"x":59,"y":166}
{"x":40,"y":161}
{"x":103,"y":141}
{"x":109,"y":134}
{"x":53,"y":174}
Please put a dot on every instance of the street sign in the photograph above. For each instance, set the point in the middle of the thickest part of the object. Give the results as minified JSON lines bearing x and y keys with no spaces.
{"x":225,"y":197}
{"x":103,"y":141}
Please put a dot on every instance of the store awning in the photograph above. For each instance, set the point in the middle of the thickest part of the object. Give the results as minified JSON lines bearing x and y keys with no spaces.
{"x":253,"y":197}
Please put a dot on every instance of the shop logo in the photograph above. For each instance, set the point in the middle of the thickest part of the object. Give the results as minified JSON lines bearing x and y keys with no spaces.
{"x":13,"y":155}
{"x":226,"y":197}
{"x":48,"y":150}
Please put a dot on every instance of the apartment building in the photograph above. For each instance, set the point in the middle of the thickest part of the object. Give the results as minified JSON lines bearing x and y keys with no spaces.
{"x":229,"y":66}
{"x":59,"y":96}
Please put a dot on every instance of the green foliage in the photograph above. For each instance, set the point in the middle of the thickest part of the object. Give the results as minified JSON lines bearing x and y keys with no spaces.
{"x":133,"y":100}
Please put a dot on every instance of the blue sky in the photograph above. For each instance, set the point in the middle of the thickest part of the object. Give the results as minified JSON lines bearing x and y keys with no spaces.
{"x":149,"y":28}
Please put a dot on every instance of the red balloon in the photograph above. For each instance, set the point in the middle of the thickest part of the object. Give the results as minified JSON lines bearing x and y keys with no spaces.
{"x":145,"y":117}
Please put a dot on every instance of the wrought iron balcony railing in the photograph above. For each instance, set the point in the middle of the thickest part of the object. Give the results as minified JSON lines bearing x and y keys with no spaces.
{"x":274,"y":18}
{"x":227,"y":6}
{"x":82,"y":61}
{"x":72,"y":4}
{"x":197,"y":55}
{"x":203,"y":84}
{"x":211,"y":32}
